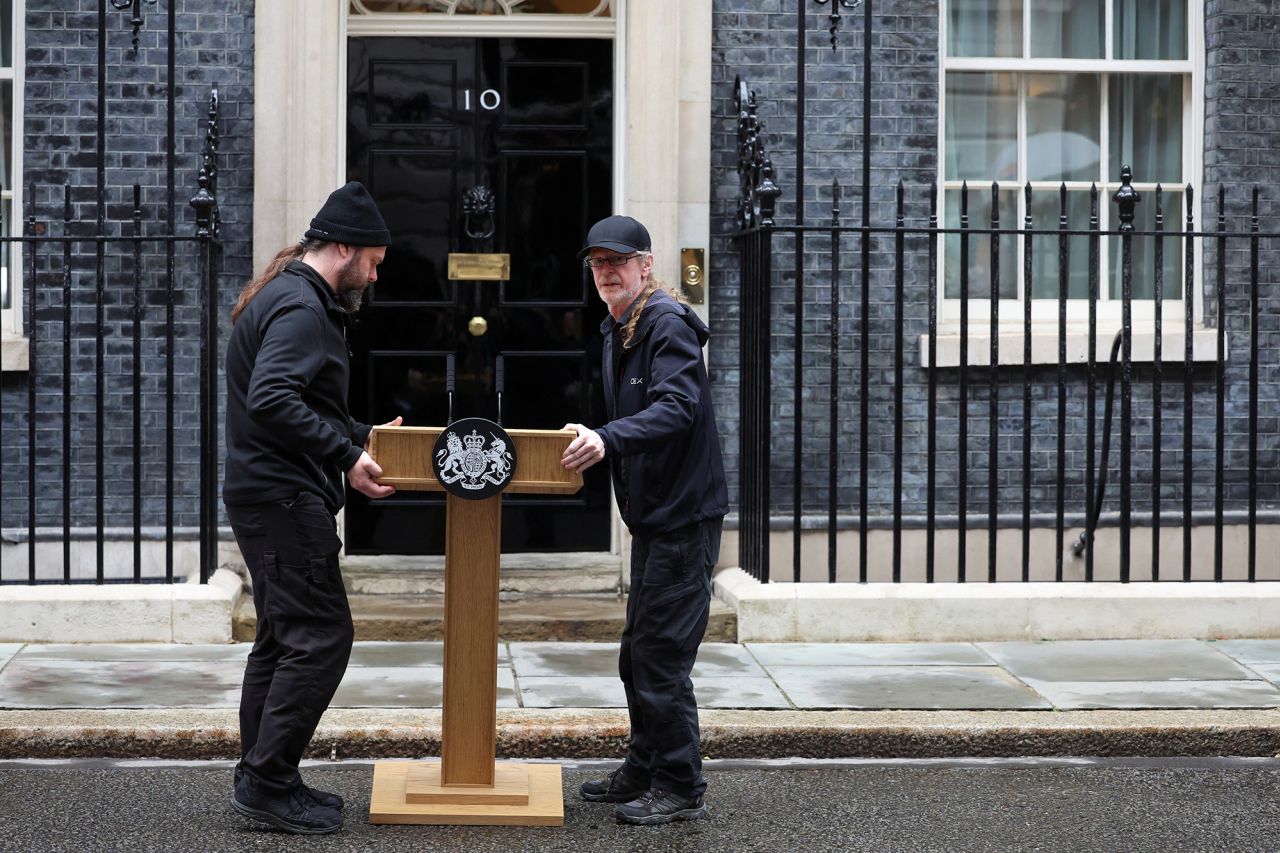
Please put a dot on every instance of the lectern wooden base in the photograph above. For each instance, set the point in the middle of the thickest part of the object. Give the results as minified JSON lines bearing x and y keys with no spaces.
{"x":410,"y":792}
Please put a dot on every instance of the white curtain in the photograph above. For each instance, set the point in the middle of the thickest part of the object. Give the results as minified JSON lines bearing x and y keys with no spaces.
{"x":1159,"y":33}
{"x":1146,"y":127}
{"x":984,"y":28}
{"x":1068,"y":28}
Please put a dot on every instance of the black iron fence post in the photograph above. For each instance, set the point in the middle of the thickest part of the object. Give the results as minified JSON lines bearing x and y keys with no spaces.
{"x":1091,"y":510}
{"x":67,"y":460}
{"x":1157,"y":383}
{"x":33,"y":372}
{"x":993,"y":388}
{"x":899,"y":323}
{"x":1028,"y":268}
{"x":1188,"y":362}
{"x":1126,"y":198}
{"x":832,"y":447}
{"x":931,"y":454}
{"x":138,"y":311}
{"x":1253,"y":387}
{"x":1219,"y":449}
{"x":962,"y":498}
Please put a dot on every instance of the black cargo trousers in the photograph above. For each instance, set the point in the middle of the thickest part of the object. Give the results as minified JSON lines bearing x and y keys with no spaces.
{"x":667,"y":611}
{"x":304,"y":632}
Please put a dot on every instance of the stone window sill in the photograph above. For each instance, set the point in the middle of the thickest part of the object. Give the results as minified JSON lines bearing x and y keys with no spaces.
{"x":1044,"y":345}
{"x":13,"y":355}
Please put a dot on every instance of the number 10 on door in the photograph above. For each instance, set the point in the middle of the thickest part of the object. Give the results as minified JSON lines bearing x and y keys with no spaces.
{"x":489,"y":99}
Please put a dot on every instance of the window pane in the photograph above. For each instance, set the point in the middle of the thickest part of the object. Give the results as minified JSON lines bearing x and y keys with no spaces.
{"x":1146,"y":127}
{"x":980,"y":245}
{"x":985,"y":28}
{"x":1144,"y":249}
{"x":1160,"y":32}
{"x":1067,"y":28}
{"x":6,"y":33}
{"x":982,"y":127}
{"x":1064,"y":114}
{"x":6,"y":134}
{"x":1046,"y":210}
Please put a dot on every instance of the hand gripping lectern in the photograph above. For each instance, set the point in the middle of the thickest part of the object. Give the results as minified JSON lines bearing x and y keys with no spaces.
{"x":473,"y":460}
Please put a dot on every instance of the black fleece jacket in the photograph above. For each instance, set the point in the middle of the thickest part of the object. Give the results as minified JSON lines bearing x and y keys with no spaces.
{"x":287,"y":426}
{"x":661,"y":441}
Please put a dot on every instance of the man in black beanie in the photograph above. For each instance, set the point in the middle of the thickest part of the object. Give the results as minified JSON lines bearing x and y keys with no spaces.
{"x":289,"y":441}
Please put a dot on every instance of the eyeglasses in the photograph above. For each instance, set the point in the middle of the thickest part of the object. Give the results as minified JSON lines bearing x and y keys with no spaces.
{"x":611,"y":260}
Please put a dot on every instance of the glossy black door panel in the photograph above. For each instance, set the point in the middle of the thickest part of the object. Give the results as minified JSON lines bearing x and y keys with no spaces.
{"x":406,"y":93}
{"x":542,"y":247}
{"x":531,"y":120}
{"x":543,"y":95}
{"x":414,"y":187}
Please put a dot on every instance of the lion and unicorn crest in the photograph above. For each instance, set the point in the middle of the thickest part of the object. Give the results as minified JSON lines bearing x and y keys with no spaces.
{"x":466,"y":461}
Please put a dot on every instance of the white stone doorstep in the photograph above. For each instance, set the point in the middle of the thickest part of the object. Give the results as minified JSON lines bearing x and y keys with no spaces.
{"x":982,"y":612}
{"x":121,"y":613}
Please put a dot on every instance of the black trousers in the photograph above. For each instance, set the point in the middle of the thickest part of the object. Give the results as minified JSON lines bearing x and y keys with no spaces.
{"x":667,"y":612}
{"x":304,"y":633}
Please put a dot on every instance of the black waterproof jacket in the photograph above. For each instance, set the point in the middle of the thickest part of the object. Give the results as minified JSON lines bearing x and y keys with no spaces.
{"x":288,"y":430}
{"x":661,"y":441}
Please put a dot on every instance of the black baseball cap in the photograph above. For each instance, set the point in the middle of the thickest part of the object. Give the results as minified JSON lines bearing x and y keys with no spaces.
{"x":618,"y":234}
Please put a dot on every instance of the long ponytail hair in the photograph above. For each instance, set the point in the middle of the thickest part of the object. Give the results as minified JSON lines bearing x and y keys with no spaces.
{"x":651,"y":287}
{"x":274,"y":268}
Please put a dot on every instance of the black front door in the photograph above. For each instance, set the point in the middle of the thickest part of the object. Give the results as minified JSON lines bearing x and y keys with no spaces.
{"x":431,"y":122}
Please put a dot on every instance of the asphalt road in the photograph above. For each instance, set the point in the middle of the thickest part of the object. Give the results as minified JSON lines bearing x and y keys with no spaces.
{"x":1155,"y":805}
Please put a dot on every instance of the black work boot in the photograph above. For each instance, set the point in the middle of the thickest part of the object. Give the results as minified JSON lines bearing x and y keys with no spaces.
{"x":324,"y":798}
{"x":618,"y":787}
{"x":294,"y":811}
{"x":658,"y":806}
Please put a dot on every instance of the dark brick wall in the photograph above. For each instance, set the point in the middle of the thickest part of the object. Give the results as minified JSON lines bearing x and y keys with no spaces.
{"x":214,"y":46}
{"x":757,"y":39}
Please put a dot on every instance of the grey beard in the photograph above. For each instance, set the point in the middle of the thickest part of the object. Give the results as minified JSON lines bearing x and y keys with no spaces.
{"x":349,"y":299}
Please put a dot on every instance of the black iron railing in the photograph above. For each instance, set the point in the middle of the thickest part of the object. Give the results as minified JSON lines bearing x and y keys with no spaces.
{"x":67,"y":259}
{"x":1021,"y":418}
{"x":763,"y":343}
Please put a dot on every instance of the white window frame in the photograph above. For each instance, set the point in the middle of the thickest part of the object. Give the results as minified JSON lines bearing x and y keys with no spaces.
{"x":1045,"y":311}
{"x":11,"y":330}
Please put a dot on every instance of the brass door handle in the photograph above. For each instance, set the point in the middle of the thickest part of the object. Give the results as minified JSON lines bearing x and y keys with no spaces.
{"x":477,"y":326}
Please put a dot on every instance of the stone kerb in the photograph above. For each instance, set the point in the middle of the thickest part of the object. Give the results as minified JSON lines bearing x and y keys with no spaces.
{"x":980,"y":612}
{"x":121,"y":613}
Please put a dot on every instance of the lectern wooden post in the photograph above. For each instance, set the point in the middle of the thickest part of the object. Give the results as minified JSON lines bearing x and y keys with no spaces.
{"x":466,"y":786}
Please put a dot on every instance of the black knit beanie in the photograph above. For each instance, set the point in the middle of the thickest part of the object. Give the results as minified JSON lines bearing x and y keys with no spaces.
{"x":350,"y":216}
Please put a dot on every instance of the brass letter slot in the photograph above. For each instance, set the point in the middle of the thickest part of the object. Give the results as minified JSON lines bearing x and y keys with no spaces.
{"x":693,"y":275}
{"x":472,"y":267}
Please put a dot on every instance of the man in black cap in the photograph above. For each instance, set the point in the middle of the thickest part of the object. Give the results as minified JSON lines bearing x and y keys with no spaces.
{"x":664,"y":455}
{"x":289,"y":441}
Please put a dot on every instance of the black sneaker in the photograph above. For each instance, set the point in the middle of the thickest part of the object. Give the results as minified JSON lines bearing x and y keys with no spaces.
{"x":324,"y":798}
{"x":617,"y":787}
{"x":294,"y":812}
{"x":658,"y":806}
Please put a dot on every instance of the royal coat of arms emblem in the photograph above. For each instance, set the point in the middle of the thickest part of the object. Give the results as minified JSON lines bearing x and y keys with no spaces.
{"x":474,"y":458}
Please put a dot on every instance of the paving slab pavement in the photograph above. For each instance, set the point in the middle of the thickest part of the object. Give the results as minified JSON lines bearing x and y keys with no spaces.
{"x":1103,"y":697}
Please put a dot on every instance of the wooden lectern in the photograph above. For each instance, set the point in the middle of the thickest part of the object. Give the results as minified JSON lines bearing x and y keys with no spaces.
{"x":467,"y":786}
